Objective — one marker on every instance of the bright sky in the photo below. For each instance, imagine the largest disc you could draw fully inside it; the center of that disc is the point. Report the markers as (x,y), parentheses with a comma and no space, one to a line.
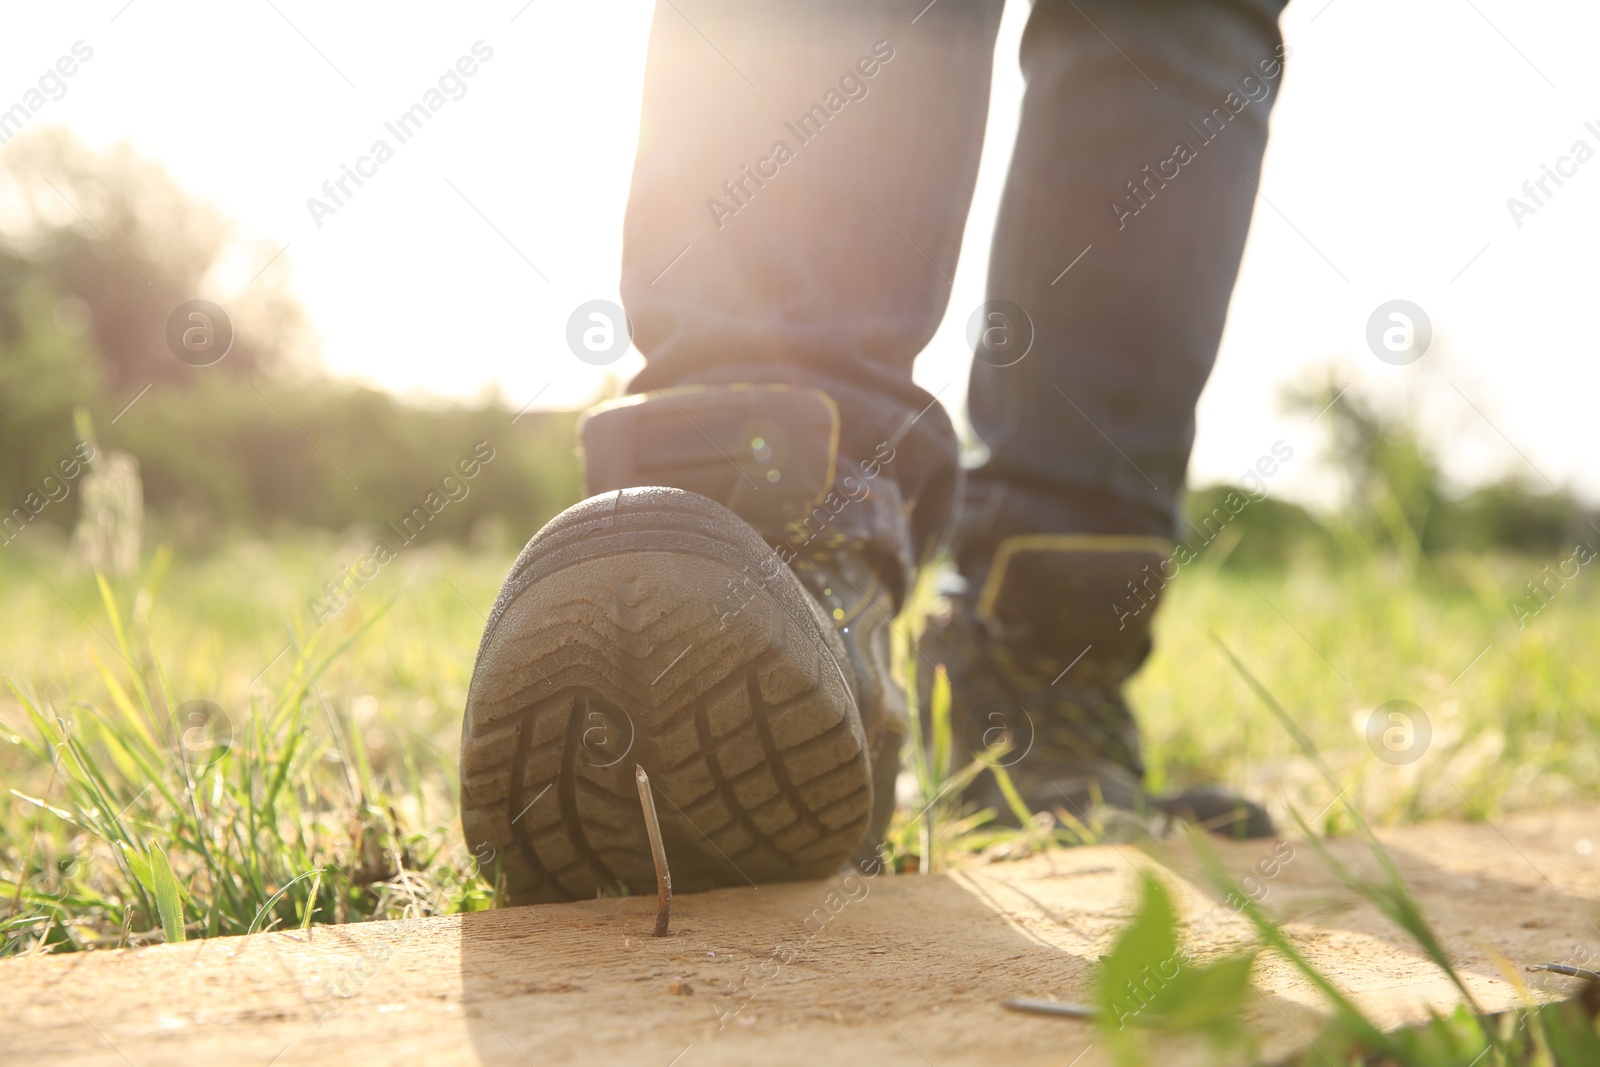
(1401,131)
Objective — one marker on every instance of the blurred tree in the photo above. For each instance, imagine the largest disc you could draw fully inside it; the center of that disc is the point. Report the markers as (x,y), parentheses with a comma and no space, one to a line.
(1512,514)
(1266,533)
(96,251)
(224,454)
(1395,491)
(116,232)
(1393,484)
(47,365)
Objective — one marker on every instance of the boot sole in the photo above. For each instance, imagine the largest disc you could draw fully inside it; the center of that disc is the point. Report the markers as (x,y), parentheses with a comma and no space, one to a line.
(653,627)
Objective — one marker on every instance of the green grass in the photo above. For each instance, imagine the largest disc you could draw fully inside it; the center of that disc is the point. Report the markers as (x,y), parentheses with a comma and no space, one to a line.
(1516,730)
(335,796)
(1206,999)
(326,792)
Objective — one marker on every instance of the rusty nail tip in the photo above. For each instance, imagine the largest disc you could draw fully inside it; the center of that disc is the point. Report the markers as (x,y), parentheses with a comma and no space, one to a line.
(658,851)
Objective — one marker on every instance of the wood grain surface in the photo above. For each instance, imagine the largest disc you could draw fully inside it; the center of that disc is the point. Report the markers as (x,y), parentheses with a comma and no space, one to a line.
(886,970)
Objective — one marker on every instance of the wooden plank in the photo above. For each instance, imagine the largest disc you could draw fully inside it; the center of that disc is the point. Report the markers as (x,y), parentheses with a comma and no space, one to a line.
(886,970)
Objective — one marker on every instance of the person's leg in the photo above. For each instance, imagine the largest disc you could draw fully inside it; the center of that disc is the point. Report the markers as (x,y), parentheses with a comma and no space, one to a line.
(798,202)
(1125,214)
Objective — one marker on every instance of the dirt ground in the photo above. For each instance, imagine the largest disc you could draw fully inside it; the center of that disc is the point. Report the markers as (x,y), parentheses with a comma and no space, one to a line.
(887,970)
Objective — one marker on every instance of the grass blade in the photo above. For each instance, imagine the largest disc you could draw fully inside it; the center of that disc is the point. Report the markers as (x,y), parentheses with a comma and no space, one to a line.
(939,706)
(169,895)
(267,907)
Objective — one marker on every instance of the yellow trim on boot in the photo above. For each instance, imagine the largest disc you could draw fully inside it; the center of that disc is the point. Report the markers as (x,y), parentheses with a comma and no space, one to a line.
(1059,543)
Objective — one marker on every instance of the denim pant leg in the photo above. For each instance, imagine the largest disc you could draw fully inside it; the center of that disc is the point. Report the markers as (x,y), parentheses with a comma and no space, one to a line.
(1123,221)
(798,200)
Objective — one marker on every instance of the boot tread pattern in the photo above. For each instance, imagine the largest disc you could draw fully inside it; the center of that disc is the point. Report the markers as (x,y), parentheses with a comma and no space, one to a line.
(746,726)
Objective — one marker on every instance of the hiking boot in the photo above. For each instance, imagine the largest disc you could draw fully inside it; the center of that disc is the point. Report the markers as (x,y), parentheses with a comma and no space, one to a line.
(725,628)
(1038,648)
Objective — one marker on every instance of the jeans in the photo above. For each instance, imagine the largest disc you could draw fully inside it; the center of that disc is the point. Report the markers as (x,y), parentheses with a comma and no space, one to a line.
(802,183)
